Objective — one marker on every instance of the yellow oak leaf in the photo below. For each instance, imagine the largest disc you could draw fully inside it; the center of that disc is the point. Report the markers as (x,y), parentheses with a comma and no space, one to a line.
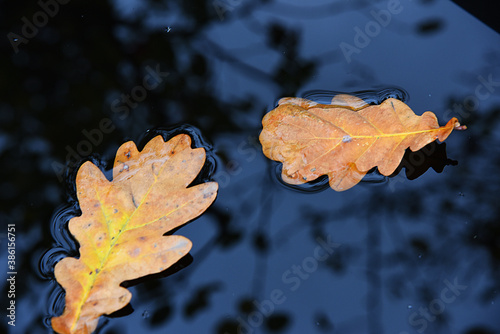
(345,139)
(122,226)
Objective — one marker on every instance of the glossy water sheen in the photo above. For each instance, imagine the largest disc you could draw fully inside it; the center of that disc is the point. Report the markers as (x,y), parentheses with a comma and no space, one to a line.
(415,252)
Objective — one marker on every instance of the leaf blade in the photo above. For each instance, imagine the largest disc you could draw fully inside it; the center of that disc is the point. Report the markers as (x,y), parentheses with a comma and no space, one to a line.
(122,224)
(345,141)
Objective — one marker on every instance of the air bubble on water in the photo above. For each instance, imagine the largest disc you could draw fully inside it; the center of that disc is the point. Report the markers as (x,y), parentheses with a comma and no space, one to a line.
(16,39)
(410,306)
(346,139)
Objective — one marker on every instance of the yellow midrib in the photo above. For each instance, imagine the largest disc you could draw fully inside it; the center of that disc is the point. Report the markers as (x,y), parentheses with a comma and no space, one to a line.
(103,264)
(123,229)
(382,135)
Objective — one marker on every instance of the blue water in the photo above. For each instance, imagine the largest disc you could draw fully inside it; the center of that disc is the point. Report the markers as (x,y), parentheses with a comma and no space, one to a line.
(416,252)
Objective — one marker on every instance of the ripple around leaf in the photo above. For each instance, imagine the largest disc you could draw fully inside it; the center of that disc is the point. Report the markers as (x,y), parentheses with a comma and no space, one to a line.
(321,183)
(369,96)
(65,245)
(55,304)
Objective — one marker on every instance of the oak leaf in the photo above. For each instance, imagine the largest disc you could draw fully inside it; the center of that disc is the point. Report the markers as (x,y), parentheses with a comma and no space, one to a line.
(346,139)
(122,226)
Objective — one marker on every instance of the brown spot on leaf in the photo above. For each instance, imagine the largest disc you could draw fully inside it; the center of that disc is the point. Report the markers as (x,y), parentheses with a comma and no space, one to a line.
(135,252)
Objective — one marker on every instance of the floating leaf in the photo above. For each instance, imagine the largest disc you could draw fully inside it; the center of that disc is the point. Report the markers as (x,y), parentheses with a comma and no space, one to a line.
(122,226)
(346,139)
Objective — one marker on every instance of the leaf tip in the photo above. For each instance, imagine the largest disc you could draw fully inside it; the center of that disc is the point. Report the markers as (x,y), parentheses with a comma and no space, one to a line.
(455,124)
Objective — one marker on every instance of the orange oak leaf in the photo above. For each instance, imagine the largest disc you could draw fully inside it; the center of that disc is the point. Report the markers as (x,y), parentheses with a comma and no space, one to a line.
(346,139)
(122,226)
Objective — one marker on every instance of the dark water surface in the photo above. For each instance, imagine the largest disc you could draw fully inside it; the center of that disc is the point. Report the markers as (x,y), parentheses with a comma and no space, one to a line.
(417,252)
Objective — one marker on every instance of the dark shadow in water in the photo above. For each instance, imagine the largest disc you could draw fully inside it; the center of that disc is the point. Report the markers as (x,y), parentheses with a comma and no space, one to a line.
(200,300)
(430,26)
(417,163)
